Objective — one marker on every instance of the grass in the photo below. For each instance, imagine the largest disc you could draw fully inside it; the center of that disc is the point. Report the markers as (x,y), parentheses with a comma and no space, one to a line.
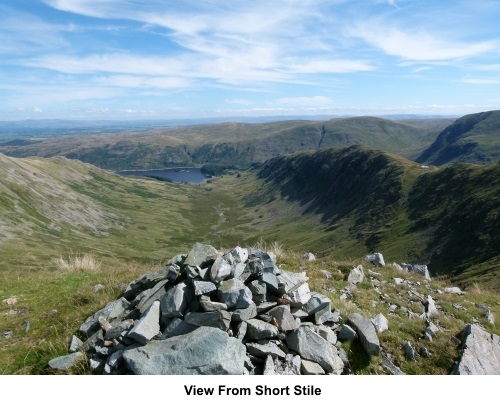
(86,262)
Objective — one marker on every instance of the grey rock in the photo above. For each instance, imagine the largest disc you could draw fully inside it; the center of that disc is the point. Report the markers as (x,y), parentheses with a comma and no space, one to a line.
(97,288)
(454,290)
(418,269)
(424,352)
(220,270)
(65,363)
(201,255)
(271,281)
(283,318)
(327,274)
(191,273)
(347,333)
(308,367)
(430,306)
(245,314)
(269,367)
(487,314)
(173,271)
(241,330)
(148,325)
(75,344)
(116,359)
(235,294)
(178,259)
(153,294)
(177,328)
(217,319)
(238,270)
(7,334)
(431,329)
(257,329)
(111,311)
(96,364)
(398,280)
(92,341)
(265,349)
(210,306)
(299,296)
(313,347)
(176,301)
(144,282)
(318,301)
(356,275)
(327,334)
(376,259)
(118,328)
(326,315)
(480,352)
(308,257)
(289,281)
(236,255)
(380,322)
(409,351)
(201,352)
(203,287)
(366,333)
(389,365)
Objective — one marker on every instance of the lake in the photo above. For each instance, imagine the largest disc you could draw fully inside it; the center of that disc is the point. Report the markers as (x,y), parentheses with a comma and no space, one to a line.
(191,175)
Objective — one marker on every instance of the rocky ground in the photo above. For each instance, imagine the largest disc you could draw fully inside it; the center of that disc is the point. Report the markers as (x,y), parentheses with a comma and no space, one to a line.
(238,312)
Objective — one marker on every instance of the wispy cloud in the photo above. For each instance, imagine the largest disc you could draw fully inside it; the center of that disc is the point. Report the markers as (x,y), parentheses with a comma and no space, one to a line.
(315,101)
(417,45)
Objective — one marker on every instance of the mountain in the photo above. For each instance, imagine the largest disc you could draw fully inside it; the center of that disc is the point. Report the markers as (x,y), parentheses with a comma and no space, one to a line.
(354,200)
(474,138)
(227,144)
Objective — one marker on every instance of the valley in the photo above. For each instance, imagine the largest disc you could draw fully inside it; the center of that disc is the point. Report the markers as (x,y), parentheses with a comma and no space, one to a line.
(341,189)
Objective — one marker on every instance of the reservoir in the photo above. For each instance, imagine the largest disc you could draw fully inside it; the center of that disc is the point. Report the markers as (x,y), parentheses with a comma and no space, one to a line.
(191,175)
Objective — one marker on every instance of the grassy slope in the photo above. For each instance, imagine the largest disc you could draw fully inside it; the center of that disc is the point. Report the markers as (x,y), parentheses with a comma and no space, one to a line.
(230,143)
(348,202)
(474,138)
(152,221)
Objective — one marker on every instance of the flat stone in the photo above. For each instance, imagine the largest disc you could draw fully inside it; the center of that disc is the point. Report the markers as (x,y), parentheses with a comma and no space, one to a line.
(148,325)
(347,333)
(235,294)
(380,322)
(318,301)
(153,294)
(289,281)
(283,318)
(327,334)
(65,363)
(257,329)
(145,282)
(210,306)
(311,346)
(177,328)
(245,314)
(117,329)
(356,275)
(176,301)
(430,306)
(326,315)
(480,352)
(220,270)
(173,271)
(200,254)
(271,281)
(111,311)
(116,359)
(265,349)
(308,367)
(75,344)
(203,287)
(366,333)
(205,351)
(389,365)
(217,319)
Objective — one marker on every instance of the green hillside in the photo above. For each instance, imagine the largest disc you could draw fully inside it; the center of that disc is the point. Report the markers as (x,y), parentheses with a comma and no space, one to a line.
(474,138)
(228,144)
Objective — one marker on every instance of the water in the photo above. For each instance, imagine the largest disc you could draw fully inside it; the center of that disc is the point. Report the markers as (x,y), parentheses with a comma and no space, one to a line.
(191,175)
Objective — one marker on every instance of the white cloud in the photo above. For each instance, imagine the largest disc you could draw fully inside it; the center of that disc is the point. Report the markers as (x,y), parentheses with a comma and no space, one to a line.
(237,101)
(418,44)
(491,80)
(37,110)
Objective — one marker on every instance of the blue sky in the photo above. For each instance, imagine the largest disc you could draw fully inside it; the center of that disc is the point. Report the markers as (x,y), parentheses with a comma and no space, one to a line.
(161,59)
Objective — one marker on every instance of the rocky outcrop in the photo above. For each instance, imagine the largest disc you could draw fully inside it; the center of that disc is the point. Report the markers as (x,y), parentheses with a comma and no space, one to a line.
(480,352)
(213,313)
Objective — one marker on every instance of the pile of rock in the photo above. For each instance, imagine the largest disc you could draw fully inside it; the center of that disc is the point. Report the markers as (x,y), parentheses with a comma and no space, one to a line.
(212,313)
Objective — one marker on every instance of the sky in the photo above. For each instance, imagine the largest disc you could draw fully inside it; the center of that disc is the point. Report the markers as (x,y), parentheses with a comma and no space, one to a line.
(171,59)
